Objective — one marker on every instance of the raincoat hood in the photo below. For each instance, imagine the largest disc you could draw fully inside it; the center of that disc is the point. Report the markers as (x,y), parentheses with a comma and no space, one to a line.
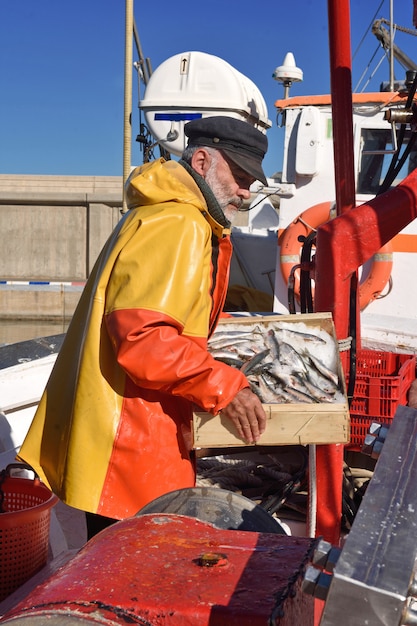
(168,181)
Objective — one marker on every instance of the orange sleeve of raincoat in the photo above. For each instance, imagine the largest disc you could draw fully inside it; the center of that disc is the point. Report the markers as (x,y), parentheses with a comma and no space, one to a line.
(158,307)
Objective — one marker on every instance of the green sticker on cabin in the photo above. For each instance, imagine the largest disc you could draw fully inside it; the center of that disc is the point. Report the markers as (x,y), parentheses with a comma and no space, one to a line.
(329,128)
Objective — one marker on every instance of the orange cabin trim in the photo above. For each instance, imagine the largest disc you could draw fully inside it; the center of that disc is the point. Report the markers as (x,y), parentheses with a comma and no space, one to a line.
(379,97)
(404,243)
(400,243)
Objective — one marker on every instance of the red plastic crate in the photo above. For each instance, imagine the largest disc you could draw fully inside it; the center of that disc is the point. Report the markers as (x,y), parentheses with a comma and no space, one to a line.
(382,383)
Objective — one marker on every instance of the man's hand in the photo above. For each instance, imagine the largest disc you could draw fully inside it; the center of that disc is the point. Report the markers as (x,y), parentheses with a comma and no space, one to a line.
(245,411)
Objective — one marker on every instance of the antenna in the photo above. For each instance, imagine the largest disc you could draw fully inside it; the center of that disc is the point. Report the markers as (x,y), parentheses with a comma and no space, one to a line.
(288,73)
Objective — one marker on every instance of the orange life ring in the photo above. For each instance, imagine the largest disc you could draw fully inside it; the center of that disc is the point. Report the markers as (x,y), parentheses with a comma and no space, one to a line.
(309,220)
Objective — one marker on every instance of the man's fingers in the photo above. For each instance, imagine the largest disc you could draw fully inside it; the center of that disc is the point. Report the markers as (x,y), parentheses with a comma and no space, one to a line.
(250,431)
(247,414)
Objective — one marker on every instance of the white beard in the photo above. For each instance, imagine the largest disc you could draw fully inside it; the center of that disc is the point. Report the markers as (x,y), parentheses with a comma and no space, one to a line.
(229,205)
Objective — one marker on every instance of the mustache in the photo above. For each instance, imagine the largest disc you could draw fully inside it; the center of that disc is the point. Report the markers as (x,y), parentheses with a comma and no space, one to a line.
(237,202)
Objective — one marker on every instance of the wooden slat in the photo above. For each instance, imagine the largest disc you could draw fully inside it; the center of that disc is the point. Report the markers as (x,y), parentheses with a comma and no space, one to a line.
(286,425)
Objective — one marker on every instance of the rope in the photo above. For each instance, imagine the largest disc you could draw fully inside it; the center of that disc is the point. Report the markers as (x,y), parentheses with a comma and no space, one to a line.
(403,29)
(307,225)
(367,29)
(345,344)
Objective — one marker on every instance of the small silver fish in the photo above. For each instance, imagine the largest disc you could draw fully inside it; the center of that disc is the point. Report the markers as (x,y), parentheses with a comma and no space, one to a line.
(255,387)
(224,342)
(315,392)
(245,350)
(279,387)
(228,357)
(289,356)
(323,369)
(253,362)
(270,393)
(294,383)
(300,396)
(318,380)
(230,334)
(302,335)
(272,342)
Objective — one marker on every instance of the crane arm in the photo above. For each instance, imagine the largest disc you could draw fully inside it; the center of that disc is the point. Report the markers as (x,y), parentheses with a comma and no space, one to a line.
(382,34)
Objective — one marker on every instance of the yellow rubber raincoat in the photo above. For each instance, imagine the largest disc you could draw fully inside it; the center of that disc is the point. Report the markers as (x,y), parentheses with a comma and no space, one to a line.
(113,428)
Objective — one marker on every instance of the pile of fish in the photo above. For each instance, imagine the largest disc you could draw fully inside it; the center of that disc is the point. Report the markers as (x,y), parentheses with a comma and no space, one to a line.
(283,362)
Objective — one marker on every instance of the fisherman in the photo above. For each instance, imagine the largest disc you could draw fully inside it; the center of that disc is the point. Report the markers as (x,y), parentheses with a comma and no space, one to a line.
(113,429)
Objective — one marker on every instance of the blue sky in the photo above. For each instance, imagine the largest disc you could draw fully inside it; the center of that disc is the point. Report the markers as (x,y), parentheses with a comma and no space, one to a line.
(62,67)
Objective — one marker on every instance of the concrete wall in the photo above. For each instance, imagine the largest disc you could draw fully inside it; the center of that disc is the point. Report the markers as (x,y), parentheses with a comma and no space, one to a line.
(52,230)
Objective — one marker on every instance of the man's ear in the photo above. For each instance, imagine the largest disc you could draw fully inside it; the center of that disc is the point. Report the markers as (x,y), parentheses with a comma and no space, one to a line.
(201,161)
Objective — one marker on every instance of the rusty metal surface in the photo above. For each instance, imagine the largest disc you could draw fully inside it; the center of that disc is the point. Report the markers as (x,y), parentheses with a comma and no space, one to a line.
(171,569)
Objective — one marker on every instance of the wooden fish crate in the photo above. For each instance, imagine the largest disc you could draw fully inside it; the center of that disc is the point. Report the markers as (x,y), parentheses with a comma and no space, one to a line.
(290,423)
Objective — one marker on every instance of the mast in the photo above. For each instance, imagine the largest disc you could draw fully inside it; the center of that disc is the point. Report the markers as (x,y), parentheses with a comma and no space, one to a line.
(127,127)
(336,298)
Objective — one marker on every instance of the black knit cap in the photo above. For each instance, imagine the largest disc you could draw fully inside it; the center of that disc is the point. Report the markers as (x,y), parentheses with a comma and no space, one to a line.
(241,142)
